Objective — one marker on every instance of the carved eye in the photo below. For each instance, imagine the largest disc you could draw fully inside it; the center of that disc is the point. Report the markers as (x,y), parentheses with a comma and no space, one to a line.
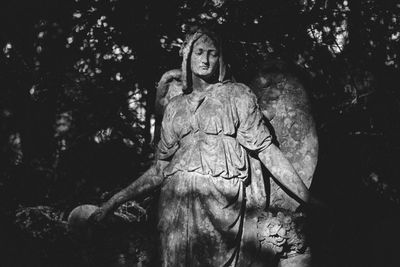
(199,52)
(214,53)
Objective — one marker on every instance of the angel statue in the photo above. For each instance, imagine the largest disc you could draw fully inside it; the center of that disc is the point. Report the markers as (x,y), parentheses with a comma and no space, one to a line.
(213,143)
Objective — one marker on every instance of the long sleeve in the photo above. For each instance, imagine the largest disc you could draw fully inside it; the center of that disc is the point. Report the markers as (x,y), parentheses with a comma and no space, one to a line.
(252,132)
(168,144)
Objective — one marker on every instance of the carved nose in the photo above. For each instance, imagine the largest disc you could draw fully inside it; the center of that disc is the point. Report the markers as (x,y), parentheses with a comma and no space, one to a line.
(205,60)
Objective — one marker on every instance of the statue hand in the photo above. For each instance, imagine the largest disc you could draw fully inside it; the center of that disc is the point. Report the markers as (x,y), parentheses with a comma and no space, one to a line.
(99,215)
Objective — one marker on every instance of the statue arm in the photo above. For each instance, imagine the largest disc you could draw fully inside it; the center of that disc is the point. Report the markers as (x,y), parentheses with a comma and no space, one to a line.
(146,183)
(283,171)
(255,136)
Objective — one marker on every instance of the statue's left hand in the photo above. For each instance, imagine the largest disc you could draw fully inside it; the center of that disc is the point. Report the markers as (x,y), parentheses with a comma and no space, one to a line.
(99,215)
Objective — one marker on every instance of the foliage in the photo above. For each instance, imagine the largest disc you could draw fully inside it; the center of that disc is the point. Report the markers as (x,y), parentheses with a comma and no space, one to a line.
(78,87)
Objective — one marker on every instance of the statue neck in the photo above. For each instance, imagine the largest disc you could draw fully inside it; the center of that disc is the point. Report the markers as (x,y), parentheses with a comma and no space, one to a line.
(200,84)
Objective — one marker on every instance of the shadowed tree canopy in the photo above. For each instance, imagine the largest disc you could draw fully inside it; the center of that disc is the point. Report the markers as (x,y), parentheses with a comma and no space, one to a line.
(78,85)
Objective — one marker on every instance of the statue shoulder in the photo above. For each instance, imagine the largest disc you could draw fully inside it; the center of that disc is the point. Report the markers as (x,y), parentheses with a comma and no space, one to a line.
(175,103)
(238,89)
(241,92)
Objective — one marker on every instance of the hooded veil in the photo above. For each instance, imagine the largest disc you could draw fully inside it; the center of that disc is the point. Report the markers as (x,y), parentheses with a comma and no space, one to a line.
(186,52)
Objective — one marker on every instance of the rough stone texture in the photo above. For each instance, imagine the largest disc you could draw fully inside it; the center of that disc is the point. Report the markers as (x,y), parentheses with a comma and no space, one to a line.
(282,233)
(77,219)
(285,103)
(170,85)
(298,260)
(207,136)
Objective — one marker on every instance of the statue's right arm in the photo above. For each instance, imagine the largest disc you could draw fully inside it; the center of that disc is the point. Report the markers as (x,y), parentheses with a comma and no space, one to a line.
(146,183)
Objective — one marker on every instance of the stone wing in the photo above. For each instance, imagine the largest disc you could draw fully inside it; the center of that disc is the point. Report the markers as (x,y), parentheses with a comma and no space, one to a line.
(285,103)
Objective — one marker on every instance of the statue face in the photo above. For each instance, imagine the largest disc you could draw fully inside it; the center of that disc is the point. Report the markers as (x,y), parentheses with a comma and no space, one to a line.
(204,58)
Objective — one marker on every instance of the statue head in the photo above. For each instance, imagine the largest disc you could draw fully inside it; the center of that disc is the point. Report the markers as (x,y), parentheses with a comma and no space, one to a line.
(204,59)
(202,56)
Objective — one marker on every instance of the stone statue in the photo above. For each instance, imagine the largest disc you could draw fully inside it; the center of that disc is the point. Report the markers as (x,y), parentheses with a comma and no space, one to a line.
(213,141)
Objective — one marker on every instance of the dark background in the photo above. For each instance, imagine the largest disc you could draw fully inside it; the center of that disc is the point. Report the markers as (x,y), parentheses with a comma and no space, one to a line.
(77,94)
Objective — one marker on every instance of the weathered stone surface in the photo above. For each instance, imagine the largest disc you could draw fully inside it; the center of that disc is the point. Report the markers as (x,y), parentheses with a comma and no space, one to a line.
(283,231)
(298,260)
(169,86)
(78,218)
(204,136)
(212,143)
(285,103)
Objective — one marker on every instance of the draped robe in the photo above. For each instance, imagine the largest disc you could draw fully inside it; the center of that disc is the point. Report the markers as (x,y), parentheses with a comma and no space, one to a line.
(213,187)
